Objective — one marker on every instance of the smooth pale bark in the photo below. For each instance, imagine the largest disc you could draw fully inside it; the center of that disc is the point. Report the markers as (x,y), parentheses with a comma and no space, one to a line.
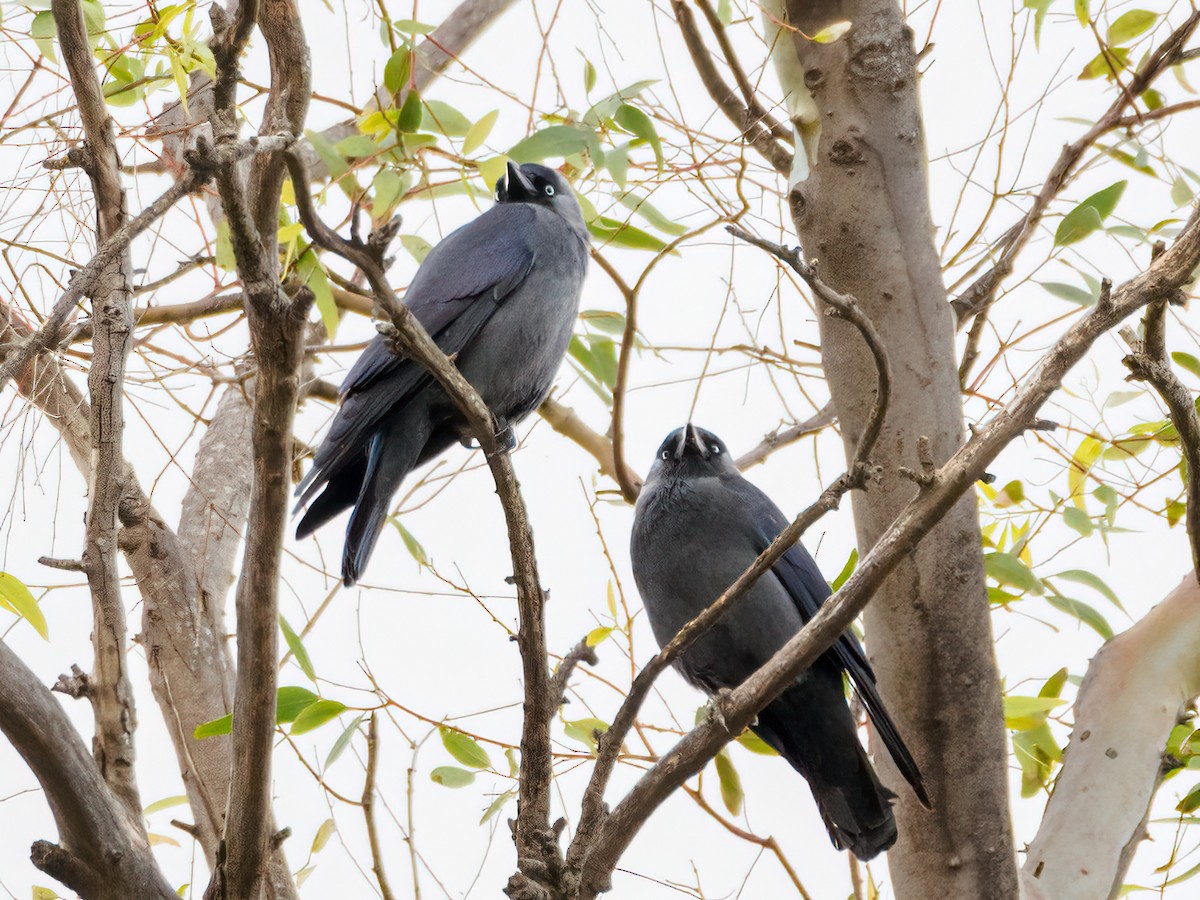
(859,200)
(1136,689)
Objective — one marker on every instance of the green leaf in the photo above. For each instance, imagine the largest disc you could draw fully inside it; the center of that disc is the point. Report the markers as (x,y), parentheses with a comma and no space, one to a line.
(223,725)
(317,281)
(324,833)
(444,119)
(732,794)
(478,132)
(847,570)
(343,741)
(603,110)
(1005,568)
(43,31)
(603,320)
(492,170)
(1078,520)
(755,744)
(1174,511)
(644,208)
(1186,361)
(356,145)
(1054,684)
(411,112)
(224,256)
(1181,193)
(1069,292)
(1095,582)
(1088,215)
(622,234)
(328,154)
(637,123)
(1131,24)
(555,140)
(17,598)
(1037,751)
(1023,713)
(165,803)
(597,354)
(1011,494)
(831,33)
(416,245)
(585,731)
(1040,7)
(1191,802)
(1084,458)
(396,70)
(465,749)
(1086,614)
(496,805)
(1108,63)
(589,76)
(414,546)
(725,12)
(598,636)
(315,715)
(412,26)
(388,185)
(1081,12)
(451,776)
(297,647)
(44,893)
(290,701)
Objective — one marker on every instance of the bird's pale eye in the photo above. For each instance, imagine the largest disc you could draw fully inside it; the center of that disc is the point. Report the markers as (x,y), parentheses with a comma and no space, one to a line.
(666,454)
(549,189)
(716,448)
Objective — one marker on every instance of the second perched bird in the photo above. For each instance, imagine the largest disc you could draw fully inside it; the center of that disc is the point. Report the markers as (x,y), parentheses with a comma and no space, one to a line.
(699,524)
(501,293)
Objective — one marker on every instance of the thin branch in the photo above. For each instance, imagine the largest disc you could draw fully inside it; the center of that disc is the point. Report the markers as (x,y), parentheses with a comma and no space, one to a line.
(782,437)
(759,137)
(109,687)
(736,710)
(581,652)
(368,808)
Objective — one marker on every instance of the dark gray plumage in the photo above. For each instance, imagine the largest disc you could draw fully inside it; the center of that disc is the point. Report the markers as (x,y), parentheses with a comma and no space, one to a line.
(699,524)
(502,293)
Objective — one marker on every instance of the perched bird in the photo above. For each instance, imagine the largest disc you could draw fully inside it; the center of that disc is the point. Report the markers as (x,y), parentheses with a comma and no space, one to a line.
(501,295)
(699,524)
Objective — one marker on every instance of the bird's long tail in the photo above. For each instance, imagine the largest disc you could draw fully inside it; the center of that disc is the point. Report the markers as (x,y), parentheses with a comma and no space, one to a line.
(392,453)
(817,736)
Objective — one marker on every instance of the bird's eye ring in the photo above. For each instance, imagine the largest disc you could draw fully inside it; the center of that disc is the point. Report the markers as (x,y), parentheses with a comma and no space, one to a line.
(666,454)
(549,189)
(716,448)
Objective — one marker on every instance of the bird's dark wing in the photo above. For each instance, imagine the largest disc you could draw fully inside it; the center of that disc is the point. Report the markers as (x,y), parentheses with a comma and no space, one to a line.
(455,292)
(797,571)
(466,275)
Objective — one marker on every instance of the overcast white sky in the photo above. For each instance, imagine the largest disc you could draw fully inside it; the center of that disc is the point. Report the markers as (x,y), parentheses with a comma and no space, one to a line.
(437,650)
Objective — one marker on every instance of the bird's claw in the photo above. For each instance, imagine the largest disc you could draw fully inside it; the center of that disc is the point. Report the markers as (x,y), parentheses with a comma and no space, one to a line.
(505,437)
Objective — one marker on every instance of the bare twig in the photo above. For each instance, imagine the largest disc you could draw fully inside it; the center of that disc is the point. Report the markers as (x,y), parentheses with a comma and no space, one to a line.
(781,437)
(581,652)
(368,808)
(109,688)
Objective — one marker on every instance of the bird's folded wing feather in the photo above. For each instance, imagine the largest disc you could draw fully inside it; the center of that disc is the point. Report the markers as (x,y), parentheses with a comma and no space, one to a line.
(797,571)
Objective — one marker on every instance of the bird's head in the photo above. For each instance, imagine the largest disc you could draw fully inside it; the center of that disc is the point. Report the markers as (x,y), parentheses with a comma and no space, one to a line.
(541,185)
(691,452)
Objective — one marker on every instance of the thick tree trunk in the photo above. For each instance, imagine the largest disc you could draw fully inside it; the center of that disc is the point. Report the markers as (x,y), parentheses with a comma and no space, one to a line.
(860,205)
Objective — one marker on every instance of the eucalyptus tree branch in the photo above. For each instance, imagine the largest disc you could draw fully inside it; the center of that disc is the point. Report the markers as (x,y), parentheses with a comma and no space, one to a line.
(934,498)
(983,290)
(581,652)
(781,437)
(277,338)
(368,808)
(593,817)
(102,851)
(109,687)
(535,847)
(758,136)
(1148,361)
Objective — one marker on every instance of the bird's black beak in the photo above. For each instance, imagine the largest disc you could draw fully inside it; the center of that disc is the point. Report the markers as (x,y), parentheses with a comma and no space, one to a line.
(690,439)
(515,186)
